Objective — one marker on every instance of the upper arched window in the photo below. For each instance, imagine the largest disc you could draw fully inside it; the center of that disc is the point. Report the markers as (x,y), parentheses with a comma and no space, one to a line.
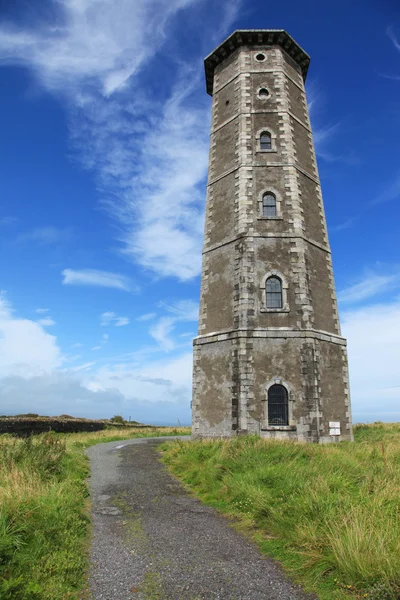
(278,405)
(263,93)
(273,291)
(269,205)
(265,141)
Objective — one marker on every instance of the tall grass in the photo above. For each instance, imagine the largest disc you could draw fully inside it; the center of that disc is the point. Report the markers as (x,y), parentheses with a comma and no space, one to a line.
(44,522)
(329,513)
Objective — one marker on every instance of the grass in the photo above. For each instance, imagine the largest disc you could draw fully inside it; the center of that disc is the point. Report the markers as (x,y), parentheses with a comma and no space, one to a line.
(44,522)
(329,513)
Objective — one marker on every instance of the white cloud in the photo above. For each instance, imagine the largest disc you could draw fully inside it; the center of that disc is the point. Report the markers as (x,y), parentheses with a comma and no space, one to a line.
(110,318)
(33,378)
(149,151)
(96,278)
(83,367)
(324,134)
(96,347)
(46,322)
(25,347)
(373,334)
(346,224)
(161,330)
(389,193)
(41,311)
(146,317)
(101,40)
(170,379)
(184,310)
(372,284)
(393,38)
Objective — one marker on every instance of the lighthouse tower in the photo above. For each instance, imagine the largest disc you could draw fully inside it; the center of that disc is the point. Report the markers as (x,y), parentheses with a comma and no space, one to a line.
(269,357)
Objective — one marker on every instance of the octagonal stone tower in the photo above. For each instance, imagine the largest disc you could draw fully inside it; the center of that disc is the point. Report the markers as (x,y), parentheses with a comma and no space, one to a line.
(269,357)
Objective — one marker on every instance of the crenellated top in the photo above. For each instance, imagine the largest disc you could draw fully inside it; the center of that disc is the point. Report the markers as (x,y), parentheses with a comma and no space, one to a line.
(256,38)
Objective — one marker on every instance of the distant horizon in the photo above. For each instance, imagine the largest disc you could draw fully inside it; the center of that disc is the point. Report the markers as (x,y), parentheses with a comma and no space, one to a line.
(179,423)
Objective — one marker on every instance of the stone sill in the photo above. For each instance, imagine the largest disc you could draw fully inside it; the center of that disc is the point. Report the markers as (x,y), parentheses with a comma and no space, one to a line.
(259,151)
(285,309)
(269,218)
(279,428)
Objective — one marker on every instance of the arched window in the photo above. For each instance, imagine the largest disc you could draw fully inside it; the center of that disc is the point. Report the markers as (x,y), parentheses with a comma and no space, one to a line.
(269,205)
(273,290)
(278,405)
(265,141)
(263,93)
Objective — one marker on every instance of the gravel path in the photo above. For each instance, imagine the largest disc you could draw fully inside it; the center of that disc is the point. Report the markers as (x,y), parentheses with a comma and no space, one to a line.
(152,541)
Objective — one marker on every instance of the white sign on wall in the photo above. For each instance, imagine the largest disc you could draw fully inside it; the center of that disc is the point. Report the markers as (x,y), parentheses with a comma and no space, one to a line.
(334,427)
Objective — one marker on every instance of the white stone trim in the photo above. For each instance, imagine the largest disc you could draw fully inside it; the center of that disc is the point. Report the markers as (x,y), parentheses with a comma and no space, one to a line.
(285,287)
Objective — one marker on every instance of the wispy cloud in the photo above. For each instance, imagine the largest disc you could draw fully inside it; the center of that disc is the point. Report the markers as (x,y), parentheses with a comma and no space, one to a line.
(146,317)
(372,284)
(46,322)
(149,151)
(45,236)
(392,36)
(391,192)
(346,224)
(185,310)
(110,318)
(325,134)
(8,220)
(97,278)
(83,367)
(42,311)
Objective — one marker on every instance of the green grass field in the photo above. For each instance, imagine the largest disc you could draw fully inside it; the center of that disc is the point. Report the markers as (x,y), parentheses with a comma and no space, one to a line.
(44,512)
(329,513)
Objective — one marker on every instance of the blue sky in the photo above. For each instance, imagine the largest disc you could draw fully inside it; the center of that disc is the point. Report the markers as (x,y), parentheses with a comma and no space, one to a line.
(104,144)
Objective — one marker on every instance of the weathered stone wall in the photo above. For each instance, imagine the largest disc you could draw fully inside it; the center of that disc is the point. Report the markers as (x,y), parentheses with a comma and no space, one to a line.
(242,345)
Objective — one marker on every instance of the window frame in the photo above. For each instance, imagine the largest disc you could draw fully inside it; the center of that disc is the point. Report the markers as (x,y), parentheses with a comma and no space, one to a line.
(266,129)
(263,292)
(265,425)
(273,296)
(265,196)
(268,136)
(284,406)
(277,195)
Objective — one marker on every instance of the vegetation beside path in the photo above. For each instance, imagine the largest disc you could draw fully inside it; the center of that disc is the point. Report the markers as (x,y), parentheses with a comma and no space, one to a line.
(330,514)
(44,517)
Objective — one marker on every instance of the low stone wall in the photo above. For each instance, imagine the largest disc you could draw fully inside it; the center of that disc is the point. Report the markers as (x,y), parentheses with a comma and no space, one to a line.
(23,426)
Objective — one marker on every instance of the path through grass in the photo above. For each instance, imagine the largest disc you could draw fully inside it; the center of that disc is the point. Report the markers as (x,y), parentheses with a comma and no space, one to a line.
(330,513)
(44,522)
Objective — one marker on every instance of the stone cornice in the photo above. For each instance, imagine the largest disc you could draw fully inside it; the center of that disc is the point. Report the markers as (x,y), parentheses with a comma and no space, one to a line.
(255,37)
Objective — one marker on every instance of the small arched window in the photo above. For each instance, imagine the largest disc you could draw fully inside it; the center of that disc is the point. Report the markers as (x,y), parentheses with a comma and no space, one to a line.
(265,141)
(269,205)
(273,291)
(278,405)
(263,93)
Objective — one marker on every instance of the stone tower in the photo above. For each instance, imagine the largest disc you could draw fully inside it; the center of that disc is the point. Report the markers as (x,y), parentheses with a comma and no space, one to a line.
(269,357)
